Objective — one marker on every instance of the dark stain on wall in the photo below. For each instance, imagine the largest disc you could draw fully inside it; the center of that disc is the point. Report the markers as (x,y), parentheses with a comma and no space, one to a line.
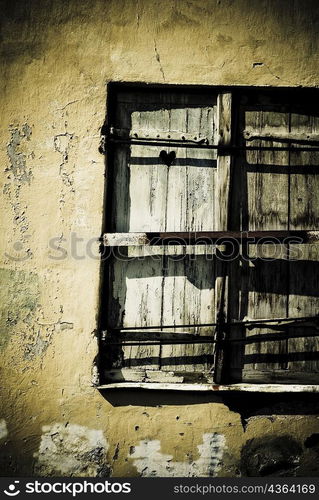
(313,442)
(270,456)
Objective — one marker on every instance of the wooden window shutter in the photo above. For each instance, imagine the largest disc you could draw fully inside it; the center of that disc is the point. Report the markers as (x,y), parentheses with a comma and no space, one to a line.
(163,287)
(276,190)
(212,214)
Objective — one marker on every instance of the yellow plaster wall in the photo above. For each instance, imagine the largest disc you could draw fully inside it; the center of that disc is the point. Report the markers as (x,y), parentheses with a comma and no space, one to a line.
(56,58)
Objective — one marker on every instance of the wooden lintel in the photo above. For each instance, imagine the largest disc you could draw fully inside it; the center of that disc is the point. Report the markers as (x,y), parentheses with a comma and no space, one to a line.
(252,339)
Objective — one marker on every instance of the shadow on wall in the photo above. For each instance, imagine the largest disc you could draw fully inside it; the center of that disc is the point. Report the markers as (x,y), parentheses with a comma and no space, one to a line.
(246,404)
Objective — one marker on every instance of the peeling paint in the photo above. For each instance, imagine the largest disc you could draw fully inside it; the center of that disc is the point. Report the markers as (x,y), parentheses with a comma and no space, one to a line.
(65,325)
(17,158)
(19,175)
(71,450)
(3,429)
(19,296)
(37,348)
(150,462)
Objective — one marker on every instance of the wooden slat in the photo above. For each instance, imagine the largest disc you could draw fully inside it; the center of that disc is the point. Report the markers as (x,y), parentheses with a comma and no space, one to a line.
(148,375)
(262,269)
(188,286)
(224,113)
(200,237)
(304,259)
(221,223)
(200,387)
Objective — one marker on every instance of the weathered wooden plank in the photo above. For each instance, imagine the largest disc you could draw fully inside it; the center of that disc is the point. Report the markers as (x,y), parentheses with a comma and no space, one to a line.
(304,183)
(140,375)
(287,377)
(136,301)
(189,282)
(188,298)
(222,223)
(267,192)
(148,175)
(164,98)
(120,213)
(266,296)
(217,237)
(224,129)
(145,375)
(200,387)
(304,260)
(263,268)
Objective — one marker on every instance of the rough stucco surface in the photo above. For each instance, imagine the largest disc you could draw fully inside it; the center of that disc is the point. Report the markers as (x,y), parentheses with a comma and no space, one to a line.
(56,58)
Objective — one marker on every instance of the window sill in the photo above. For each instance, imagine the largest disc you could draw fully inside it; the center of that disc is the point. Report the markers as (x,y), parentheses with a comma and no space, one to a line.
(269,388)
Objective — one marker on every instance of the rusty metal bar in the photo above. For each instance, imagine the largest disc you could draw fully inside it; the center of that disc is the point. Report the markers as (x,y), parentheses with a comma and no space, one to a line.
(201,145)
(252,322)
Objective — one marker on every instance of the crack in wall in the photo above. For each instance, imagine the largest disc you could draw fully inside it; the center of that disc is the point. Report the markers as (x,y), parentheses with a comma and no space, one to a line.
(62,145)
(158,59)
(261,64)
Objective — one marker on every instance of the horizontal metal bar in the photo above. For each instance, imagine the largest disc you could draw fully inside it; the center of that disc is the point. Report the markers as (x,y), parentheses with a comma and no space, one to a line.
(250,322)
(201,145)
(266,337)
(150,336)
(127,328)
(168,136)
(201,237)
(272,134)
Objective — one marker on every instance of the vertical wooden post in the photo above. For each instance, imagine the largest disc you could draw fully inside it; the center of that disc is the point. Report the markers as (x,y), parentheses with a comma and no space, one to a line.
(222,221)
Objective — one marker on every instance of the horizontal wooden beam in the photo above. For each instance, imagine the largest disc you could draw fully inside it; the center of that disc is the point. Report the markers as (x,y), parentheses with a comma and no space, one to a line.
(204,237)
(213,387)
(252,339)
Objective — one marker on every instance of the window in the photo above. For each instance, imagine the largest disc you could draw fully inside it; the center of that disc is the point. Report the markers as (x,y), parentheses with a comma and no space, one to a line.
(212,211)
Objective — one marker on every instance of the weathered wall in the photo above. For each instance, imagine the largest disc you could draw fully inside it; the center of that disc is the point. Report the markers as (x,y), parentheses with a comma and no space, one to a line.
(56,59)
